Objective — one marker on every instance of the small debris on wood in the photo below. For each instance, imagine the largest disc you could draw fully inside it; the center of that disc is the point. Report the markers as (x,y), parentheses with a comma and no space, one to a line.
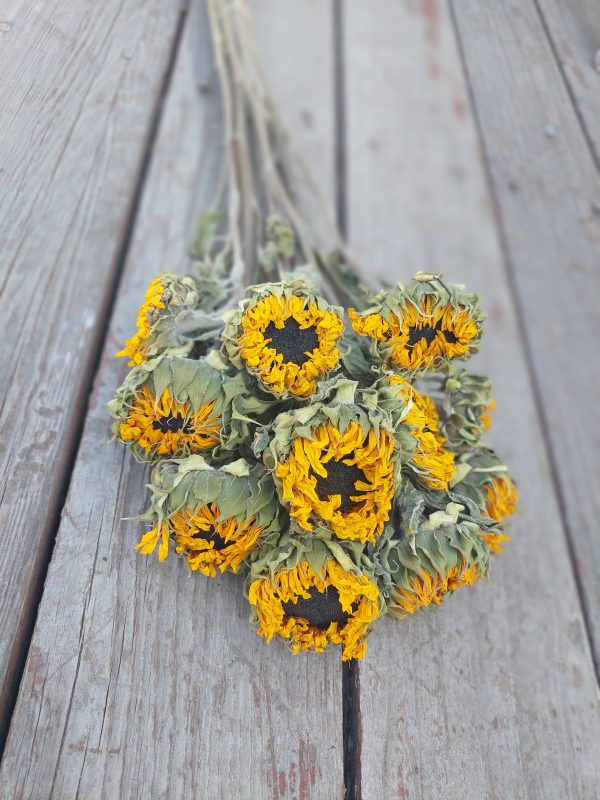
(550,131)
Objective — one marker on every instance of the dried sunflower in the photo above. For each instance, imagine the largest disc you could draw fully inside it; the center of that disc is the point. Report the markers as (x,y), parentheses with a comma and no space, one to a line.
(214,517)
(429,457)
(444,550)
(421,325)
(425,589)
(286,336)
(335,464)
(467,405)
(485,480)
(173,406)
(166,297)
(313,596)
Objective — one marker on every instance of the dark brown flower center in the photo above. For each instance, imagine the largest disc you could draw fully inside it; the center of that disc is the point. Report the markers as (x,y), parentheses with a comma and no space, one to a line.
(427,332)
(341,479)
(293,342)
(211,535)
(172,424)
(320,610)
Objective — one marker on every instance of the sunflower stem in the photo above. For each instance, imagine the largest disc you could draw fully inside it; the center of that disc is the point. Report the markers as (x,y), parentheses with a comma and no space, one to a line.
(259,158)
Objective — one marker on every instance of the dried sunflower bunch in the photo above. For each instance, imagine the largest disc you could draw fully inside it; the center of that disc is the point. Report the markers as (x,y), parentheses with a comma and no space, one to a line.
(320,437)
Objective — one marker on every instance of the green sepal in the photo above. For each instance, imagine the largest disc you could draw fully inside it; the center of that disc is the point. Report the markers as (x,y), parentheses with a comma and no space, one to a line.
(240,489)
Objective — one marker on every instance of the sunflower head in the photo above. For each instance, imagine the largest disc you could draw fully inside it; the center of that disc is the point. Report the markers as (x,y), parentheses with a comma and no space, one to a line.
(429,555)
(214,518)
(467,406)
(173,406)
(422,325)
(485,481)
(424,589)
(313,599)
(334,465)
(286,336)
(166,297)
(417,428)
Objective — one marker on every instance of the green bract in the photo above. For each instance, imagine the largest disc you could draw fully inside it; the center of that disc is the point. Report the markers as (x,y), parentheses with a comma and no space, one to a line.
(482,478)
(241,490)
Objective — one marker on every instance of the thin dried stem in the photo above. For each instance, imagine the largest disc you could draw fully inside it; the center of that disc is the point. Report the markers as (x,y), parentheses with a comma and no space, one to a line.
(258,152)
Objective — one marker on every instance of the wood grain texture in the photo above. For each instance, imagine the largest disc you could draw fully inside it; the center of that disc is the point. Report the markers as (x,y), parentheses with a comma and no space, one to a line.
(574,30)
(304,95)
(142,681)
(493,695)
(78,91)
(548,193)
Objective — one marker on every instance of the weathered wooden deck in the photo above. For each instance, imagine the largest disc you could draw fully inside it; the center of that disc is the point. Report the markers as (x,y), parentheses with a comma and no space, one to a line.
(458,136)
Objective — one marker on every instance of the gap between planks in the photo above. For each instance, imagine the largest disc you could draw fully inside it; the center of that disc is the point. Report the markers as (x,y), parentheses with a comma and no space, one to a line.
(351,670)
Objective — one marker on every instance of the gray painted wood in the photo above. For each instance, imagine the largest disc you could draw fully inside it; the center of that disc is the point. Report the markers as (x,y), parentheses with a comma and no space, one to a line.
(493,695)
(143,681)
(548,192)
(78,90)
(574,30)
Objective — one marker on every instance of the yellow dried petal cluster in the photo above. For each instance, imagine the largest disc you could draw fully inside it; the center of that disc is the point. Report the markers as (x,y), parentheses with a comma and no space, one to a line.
(426,589)
(134,347)
(166,427)
(501,497)
(147,544)
(495,541)
(200,550)
(433,459)
(373,325)
(358,597)
(486,416)
(370,452)
(298,379)
(207,543)
(422,334)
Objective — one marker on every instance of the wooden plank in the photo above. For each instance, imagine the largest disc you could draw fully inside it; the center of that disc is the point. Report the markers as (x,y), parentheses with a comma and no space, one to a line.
(493,695)
(141,681)
(80,83)
(574,28)
(548,192)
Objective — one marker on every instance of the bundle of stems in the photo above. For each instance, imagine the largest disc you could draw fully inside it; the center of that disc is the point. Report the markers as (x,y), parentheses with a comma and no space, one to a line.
(259,165)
